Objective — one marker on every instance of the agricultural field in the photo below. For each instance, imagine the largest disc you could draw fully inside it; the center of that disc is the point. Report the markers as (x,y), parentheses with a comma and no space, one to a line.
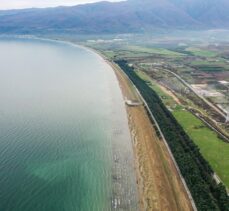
(195,169)
(200,52)
(203,65)
(185,74)
(215,151)
(211,146)
(157,51)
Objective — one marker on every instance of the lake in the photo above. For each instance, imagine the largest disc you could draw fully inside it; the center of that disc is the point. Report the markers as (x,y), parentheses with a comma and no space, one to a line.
(64,133)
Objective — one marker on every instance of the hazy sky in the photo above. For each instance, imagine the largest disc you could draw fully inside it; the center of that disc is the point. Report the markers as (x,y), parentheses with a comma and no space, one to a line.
(16,4)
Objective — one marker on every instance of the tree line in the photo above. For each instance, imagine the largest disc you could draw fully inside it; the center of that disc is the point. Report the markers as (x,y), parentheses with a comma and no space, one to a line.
(198,174)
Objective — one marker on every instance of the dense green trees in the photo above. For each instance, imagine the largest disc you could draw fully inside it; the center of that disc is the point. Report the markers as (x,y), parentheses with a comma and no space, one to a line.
(195,169)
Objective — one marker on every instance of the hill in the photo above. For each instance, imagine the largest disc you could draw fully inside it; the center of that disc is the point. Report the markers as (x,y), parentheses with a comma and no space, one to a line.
(120,17)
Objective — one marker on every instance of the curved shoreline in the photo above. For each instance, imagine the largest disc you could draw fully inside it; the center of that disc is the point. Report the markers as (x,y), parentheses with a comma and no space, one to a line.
(123,193)
(190,205)
(133,131)
(91,50)
(144,143)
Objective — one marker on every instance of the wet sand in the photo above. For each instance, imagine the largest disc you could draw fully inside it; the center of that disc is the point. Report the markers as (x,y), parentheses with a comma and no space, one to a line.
(159,184)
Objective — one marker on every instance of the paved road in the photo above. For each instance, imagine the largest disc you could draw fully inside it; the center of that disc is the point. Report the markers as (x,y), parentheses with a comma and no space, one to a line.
(196,93)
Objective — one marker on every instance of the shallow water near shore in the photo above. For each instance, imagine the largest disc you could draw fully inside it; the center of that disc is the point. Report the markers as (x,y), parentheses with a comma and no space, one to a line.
(64,138)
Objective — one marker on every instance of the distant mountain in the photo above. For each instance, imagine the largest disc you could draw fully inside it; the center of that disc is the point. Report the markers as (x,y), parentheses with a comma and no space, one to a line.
(120,17)
(211,13)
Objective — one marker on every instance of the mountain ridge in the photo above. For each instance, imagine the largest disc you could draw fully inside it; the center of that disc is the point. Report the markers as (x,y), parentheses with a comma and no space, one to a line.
(118,17)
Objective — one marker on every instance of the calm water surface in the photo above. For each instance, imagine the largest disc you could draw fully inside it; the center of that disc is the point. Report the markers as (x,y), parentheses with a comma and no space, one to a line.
(58,125)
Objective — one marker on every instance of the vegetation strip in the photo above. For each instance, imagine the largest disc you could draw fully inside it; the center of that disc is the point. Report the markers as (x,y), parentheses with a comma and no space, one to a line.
(195,169)
(211,142)
(160,135)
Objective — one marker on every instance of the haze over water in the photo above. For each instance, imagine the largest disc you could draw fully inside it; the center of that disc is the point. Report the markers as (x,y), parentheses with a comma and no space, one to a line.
(58,125)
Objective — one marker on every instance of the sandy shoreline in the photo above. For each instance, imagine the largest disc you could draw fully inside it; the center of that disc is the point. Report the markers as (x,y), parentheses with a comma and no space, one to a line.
(158,181)
(159,184)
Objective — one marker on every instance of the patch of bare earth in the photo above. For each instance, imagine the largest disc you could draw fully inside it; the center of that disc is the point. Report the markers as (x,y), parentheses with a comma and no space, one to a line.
(170,93)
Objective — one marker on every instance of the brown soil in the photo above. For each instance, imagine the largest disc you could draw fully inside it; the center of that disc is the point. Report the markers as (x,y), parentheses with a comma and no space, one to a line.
(159,184)
(171,94)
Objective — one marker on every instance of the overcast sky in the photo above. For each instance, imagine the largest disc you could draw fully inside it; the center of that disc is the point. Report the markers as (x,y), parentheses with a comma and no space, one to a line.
(18,4)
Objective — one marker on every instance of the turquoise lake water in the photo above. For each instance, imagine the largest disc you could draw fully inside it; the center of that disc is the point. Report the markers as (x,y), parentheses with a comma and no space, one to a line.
(62,121)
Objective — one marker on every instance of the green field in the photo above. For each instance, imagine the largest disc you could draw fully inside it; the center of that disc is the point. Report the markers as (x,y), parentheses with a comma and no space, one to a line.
(200,52)
(159,51)
(109,54)
(210,66)
(167,100)
(214,150)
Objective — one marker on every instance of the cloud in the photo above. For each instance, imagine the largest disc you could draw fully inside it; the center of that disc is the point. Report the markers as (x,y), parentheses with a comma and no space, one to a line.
(18,4)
